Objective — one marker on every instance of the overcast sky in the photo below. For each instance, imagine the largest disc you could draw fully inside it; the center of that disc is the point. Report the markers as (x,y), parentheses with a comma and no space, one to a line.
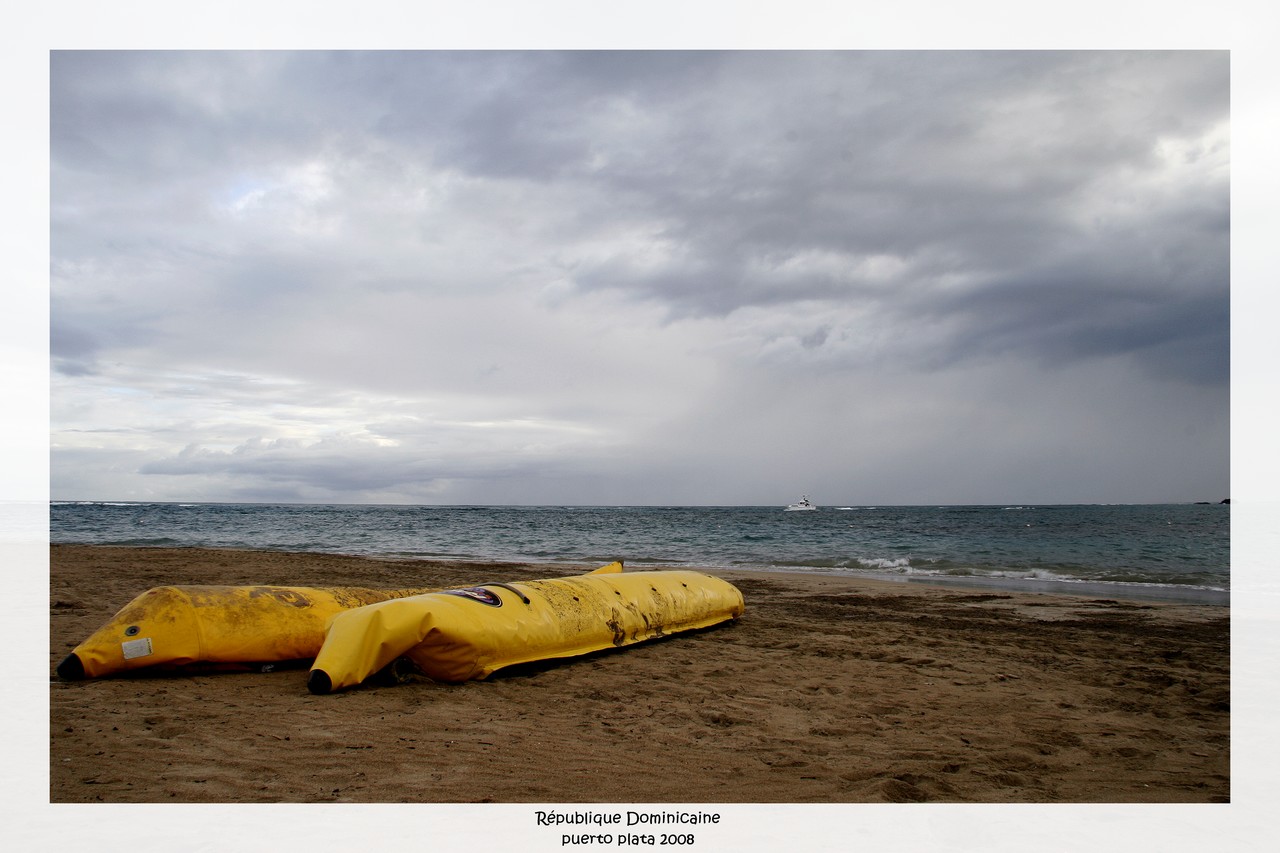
(640,278)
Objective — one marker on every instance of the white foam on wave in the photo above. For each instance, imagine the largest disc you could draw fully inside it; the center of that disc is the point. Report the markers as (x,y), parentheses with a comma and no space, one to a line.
(885,563)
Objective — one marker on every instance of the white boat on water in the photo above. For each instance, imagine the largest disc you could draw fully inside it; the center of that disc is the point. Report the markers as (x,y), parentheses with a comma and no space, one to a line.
(801,505)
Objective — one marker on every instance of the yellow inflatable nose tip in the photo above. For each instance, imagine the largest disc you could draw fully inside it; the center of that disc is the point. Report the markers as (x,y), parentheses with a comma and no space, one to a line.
(319,683)
(71,668)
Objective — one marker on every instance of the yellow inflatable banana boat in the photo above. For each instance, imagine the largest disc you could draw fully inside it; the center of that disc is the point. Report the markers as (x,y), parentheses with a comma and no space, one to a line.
(174,626)
(461,634)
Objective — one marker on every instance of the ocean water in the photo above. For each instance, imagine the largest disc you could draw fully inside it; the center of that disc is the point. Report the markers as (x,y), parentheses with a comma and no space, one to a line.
(1169,551)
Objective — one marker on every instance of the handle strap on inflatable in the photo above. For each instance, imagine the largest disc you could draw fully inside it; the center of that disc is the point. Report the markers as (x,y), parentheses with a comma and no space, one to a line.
(508,586)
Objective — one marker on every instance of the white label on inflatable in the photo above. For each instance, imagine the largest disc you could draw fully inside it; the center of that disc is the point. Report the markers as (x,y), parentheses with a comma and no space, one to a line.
(136,648)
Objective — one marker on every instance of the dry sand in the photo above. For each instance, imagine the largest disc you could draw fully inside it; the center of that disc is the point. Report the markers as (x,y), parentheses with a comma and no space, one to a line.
(828,690)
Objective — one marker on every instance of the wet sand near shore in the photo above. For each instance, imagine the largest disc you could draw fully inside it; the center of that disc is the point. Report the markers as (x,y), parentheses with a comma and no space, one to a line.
(827,690)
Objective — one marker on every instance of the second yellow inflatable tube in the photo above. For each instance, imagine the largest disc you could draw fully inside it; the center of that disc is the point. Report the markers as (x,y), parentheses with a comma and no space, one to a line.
(464,634)
(170,627)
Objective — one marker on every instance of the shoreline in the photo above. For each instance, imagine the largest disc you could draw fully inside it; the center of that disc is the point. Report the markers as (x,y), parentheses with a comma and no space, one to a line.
(1092,589)
(829,689)
(1154,592)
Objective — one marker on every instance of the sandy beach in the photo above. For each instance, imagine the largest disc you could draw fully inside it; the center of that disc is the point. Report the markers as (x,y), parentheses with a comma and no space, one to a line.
(827,690)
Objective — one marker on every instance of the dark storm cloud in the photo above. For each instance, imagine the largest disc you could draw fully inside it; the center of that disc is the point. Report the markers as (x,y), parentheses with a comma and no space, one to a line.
(953,164)
(1063,315)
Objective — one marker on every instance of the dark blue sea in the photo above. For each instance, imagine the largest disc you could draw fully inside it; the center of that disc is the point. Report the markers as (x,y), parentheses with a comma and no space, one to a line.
(1165,551)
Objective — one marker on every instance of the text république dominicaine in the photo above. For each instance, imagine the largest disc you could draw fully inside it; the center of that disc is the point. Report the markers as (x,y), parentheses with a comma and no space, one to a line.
(629,818)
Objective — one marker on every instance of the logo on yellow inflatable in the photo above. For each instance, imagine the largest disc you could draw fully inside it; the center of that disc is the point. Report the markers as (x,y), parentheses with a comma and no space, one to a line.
(476,593)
